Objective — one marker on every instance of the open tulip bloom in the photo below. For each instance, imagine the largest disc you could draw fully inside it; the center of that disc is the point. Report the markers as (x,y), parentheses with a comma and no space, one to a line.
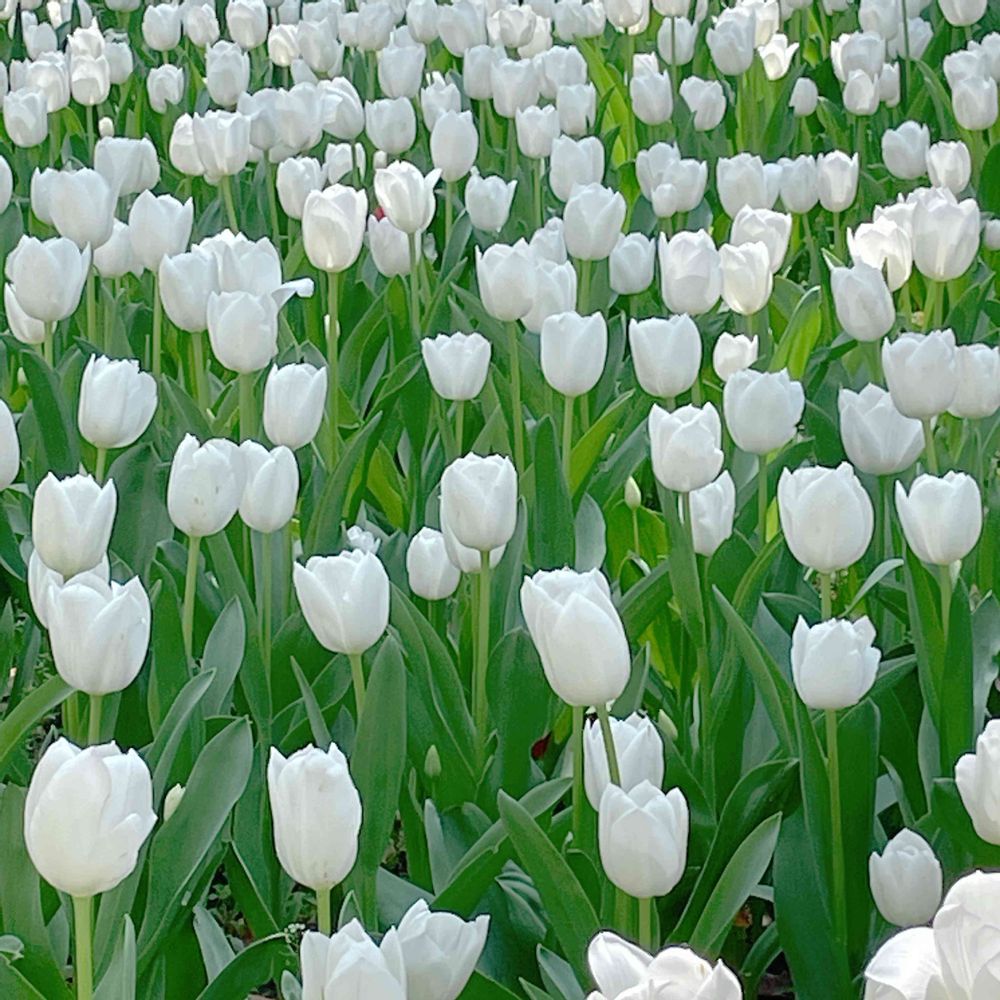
(506,491)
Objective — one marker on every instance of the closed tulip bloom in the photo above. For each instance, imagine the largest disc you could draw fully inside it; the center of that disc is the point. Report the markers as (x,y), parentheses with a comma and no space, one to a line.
(505,279)
(575,161)
(826,516)
(82,207)
(205,485)
(884,245)
(643,835)
(71,521)
(904,150)
(630,266)
(961,13)
(186,283)
(457,364)
(705,99)
(345,599)
(164,87)
(333,227)
(406,196)
(861,94)
(686,446)
(974,102)
(117,402)
(762,409)
(878,439)
(554,291)
(271,489)
(906,880)
(941,516)
(573,351)
(690,272)
(227,73)
(578,634)
(47,276)
(592,221)
(745,179)
(652,97)
(454,144)
(222,142)
(159,226)
(86,816)
(713,508)
(862,301)
(799,184)
(99,632)
(666,354)
(834,663)
(536,129)
(43,583)
(316,812)
(200,25)
(978,393)
(921,371)
(945,235)
(243,330)
(479,501)
(130,166)
(294,397)
(488,201)
(747,280)
(391,124)
(977,776)
(25,116)
(837,180)
(430,572)
(731,41)
(576,105)
(389,247)
(733,353)
(440,951)
(776,57)
(760,225)
(161,26)
(350,964)
(675,43)
(514,85)
(639,752)
(949,165)
(247,22)
(10,448)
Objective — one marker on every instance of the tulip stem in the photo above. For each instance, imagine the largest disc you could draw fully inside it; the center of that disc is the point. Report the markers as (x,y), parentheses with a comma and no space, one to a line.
(459,425)
(266,598)
(932,300)
(762,500)
(358,679)
(71,717)
(48,346)
(99,463)
(190,579)
(157,328)
(646,924)
(567,439)
(323,919)
(513,341)
(91,307)
(226,186)
(583,289)
(414,277)
(839,880)
(480,705)
(449,191)
(536,175)
(826,596)
(246,405)
(199,375)
(576,749)
(929,447)
(333,361)
(944,577)
(610,750)
(94,720)
(83,973)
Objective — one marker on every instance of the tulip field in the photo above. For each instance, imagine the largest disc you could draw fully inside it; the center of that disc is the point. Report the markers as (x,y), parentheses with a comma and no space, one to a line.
(500,500)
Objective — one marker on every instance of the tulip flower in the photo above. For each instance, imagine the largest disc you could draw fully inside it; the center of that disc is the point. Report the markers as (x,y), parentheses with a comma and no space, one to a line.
(71,521)
(685,446)
(666,354)
(712,510)
(733,353)
(575,161)
(690,272)
(978,392)
(457,364)
(243,332)
(10,448)
(630,266)
(884,245)
(430,572)
(440,951)
(271,488)
(863,302)
(350,962)
(904,150)
(834,663)
(945,237)
(906,880)
(837,180)
(746,277)
(48,277)
(454,145)
(294,396)
(488,201)
(941,517)
(638,751)
(762,409)
(745,180)
(976,777)
(878,439)
(593,218)
(554,290)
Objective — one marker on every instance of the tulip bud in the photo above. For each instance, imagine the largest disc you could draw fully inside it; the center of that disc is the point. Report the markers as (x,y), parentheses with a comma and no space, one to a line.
(592,221)
(554,292)
(117,402)
(760,225)
(575,161)
(164,87)
(454,144)
(977,776)
(99,632)
(747,280)
(666,354)
(172,800)
(906,880)
(440,951)
(826,516)
(863,302)
(406,196)
(505,279)
(837,180)
(712,510)
(878,439)
(643,835)
(630,266)
(731,41)
(904,150)
(25,116)
(633,495)
(86,816)
(949,165)
(205,486)
(488,201)
(159,226)
(945,235)
(941,517)
(536,130)
(297,178)
(776,56)
(10,448)
(744,180)
(71,521)
(82,206)
(578,634)
(690,272)
(675,42)
(186,282)
(457,364)
(978,393)
(883,245)
(350,962)
(271,489)
(799,184)
(974,102)
(921,371)
(652,97)
(733,353)
(834,663)
(686,446)
(389,246)
(762,409)
(431,574)
(47,276)
(639,751)
(573,351)
(345,600)
(479,501)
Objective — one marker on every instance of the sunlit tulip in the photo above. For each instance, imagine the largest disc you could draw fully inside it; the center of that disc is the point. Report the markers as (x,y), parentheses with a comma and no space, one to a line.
(837,180)
(333,227)
(862,301)
(652,97)
(457,364)
(834,663)
(159,225)
(712,510)
(488,201)
(479,501)
(730,41)
(186,283)
(690,272)
(454,145)
(48,276)
(941,517)
(762,409)
(878,439)
(575,161)
(430,572)
(25,116)
(205,485)
(747,280)
(826,516)
(745,180)
(666,354)
(573,349)
(638,750)
(978,393)
(921,371)
(350,962)
(243,330)
(227,73)
(949,165)
(974,102)
(504,275)
(733,353)
(82,205)
(630,266)
(945,235)
(391,124)
(536,129)
(904,150)
(905,880)
(884,245)
(271,488)
(977,776)
(130,166)
(164,87)
(117,402)
(406,196)
(799,184)
(592,220)
(686,446)
(25,328)
(71,522)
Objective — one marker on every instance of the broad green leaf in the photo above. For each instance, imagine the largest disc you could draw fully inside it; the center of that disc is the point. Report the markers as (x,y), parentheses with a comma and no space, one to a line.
(26,715)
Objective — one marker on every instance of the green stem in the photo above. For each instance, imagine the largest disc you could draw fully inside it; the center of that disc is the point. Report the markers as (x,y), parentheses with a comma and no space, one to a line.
(226,184)
(480,705)
(567,438)
(101,460)
(71,717)
(459,426)
(836,830)
(266,598)
(324,923)
(199,371)
(333,362)
(762,500)
(414,277)
(83,973)
(449,191)
(583,291)
(610,751)
(190,580)
(576,748)
(930,304)
(358,680)
(157,327)
(91,307)
(646,924)
(826,596)
(94,721)
(944,578)
(246,406)
(929,447)
(513,341)
(48,349)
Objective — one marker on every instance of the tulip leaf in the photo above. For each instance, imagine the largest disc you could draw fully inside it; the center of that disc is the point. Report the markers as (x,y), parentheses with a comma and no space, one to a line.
(552,511)
(573,918)
(988,193)
(118,983)
(801,334)
(588,448)
(26,715)
(60,442)
(216,951)
(254,966)
(317,724)
(223,654)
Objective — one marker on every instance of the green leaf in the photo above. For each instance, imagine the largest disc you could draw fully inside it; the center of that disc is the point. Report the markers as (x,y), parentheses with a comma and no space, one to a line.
(317,724)
(60,442)
(573,918)
(224,649)
(588,449)
(551,541)
(216,951)
(118,983)
(254,966)
(26,714)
